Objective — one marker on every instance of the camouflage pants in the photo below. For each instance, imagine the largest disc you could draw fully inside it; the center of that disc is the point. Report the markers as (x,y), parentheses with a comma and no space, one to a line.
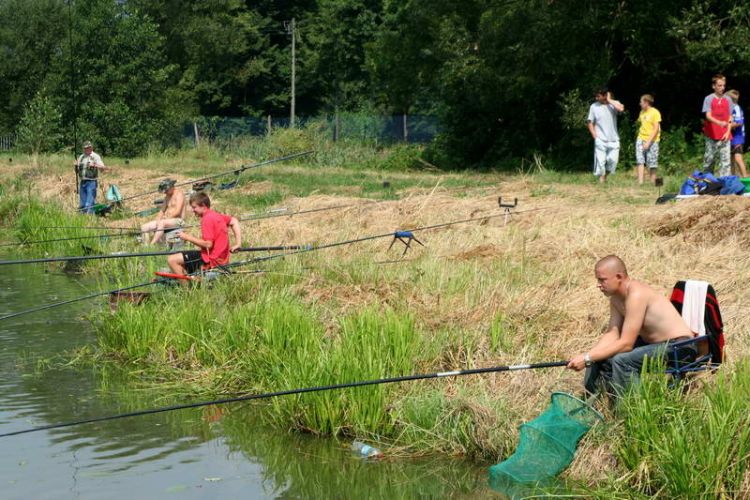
(714,149)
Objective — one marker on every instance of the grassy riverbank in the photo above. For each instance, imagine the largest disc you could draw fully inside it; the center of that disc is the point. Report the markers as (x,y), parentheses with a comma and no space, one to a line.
(479,294)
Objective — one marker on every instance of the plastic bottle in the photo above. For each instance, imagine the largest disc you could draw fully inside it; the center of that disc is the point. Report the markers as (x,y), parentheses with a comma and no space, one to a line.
(365,450)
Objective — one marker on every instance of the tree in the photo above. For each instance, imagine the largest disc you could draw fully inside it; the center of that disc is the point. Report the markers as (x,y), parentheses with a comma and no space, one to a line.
(333,52)
(30,34)
(121,92)
(39,129)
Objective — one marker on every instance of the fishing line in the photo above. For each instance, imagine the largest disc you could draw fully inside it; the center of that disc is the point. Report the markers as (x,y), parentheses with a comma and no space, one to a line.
(78,299)
(267,395)
(108,228)
(309,248)
(269,215)
(237,171)
(140,254)
(313,248)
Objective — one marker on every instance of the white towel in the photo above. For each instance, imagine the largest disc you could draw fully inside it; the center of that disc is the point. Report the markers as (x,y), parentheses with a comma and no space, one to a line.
(694,306)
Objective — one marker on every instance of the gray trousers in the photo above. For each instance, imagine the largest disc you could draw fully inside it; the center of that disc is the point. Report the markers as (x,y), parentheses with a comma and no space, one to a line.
(720,149)
(624,369)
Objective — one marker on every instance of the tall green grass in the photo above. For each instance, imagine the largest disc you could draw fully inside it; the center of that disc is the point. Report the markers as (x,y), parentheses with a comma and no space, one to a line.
(272,342)
(694,445)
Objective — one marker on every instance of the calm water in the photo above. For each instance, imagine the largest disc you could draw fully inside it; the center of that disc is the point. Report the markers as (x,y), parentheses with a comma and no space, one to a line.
(205,453)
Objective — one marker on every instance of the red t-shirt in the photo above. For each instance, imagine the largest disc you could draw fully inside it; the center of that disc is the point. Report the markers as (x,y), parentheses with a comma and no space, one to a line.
(721,111)
(214,228)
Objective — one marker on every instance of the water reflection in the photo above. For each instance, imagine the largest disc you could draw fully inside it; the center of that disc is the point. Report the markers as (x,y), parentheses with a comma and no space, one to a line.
(198,453)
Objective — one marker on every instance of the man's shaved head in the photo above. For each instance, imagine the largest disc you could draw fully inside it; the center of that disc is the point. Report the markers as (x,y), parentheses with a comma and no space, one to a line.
(612,263)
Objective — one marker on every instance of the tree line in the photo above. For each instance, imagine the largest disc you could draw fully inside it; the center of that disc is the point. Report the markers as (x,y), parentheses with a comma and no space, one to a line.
(506,78)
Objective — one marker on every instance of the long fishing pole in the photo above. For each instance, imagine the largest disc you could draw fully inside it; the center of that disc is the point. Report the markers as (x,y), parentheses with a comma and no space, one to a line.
(100,228)
(73,87)
(304,390)
(138,254)
(308,248)
(269,215)
(313,248)
(236,171)
(79,299)
(73,238)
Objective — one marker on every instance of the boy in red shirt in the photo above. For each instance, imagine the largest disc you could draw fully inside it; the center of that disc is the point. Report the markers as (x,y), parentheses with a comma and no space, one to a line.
(717,126)
(214,241)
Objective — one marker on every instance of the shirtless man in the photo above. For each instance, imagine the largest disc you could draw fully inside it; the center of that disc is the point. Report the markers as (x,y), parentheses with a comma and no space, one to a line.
(635,310)
(170,215)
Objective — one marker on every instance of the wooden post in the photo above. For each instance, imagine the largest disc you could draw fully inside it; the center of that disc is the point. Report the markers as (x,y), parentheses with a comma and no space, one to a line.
(268,125)
(406,131)
(336,126)
(197,137)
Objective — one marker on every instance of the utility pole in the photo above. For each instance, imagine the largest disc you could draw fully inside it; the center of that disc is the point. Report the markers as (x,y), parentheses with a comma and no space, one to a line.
(290,29)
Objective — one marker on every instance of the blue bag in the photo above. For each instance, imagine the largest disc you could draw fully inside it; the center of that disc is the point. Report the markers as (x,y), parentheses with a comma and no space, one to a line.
(732,185)
(692,184)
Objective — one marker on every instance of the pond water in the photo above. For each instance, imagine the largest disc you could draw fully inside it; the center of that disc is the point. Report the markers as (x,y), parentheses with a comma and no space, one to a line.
(198,453)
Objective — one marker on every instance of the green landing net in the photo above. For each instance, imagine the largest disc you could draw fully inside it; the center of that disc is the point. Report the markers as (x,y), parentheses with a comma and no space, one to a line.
(547,443)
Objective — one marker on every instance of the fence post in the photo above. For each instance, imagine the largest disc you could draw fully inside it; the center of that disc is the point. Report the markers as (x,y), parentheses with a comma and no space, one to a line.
(268,125)
(336,125)
(406,131)
(197,137)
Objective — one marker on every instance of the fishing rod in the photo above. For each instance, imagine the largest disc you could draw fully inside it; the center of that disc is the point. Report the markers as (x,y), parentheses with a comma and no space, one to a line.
(79,299)
(398,234)
(138,254)
(73,89)
(304,390)
(74,238)
(101,228)
(308,248)
(236,171)
(268,215)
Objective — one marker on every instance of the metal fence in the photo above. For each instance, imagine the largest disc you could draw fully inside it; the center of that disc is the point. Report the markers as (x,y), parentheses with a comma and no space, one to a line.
(345,126)
(7,142)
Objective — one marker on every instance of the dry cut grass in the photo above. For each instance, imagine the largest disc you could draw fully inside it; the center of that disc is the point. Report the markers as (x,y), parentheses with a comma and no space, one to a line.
(498,294)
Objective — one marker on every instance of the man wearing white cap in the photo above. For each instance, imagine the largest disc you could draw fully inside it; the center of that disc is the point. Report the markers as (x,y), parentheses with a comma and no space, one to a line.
(87,167)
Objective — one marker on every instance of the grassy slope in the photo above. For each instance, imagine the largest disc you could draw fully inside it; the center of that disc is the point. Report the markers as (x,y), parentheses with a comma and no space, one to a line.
(477,295)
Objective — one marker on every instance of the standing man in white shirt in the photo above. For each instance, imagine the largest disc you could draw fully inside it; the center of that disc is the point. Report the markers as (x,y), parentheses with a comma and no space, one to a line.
(602,124)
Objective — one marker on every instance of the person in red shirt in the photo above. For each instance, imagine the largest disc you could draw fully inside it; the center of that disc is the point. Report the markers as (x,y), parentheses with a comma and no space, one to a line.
(717,127)
(213,243)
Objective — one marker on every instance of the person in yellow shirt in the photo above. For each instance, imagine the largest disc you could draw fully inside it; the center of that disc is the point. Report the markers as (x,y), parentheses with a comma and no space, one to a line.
(647,143)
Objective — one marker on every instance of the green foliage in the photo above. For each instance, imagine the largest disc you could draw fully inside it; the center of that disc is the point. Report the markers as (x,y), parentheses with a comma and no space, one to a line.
(680,152)
(714,35)
(694,445)
(39,129)
(402,157)
(30,34)
(119,87)
(508,81)
(333,51)
(289,350)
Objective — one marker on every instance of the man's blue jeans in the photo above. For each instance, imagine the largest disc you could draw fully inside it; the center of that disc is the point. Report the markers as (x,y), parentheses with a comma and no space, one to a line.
(87,194)
(624,369)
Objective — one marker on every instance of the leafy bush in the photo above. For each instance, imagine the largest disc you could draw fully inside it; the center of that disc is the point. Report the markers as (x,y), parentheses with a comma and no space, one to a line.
(39,130)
